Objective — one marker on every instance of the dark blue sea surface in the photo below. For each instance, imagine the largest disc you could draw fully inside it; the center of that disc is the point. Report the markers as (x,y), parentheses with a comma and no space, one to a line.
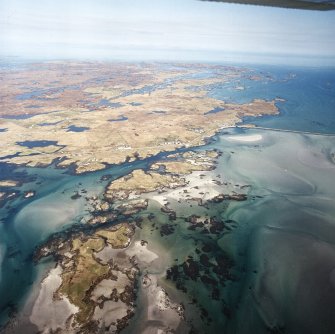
(309,95)
(282,246)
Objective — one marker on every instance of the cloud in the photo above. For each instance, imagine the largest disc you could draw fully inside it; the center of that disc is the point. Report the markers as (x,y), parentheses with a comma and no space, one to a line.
(99,27)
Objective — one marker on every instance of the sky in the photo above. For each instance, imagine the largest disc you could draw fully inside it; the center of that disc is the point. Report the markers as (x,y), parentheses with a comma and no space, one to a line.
(185,30)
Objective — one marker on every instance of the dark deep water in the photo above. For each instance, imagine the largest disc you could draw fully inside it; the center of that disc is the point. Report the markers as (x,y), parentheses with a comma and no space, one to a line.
(309,96)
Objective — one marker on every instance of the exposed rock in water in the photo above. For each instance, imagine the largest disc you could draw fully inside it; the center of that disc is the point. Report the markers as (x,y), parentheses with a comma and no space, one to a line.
(232,197)
(29,194)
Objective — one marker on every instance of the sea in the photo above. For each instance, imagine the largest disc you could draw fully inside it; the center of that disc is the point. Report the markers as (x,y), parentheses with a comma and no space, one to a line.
(283,246)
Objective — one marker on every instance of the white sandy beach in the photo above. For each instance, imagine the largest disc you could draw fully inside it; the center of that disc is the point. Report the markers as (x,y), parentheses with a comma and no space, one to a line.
(142,252)
(106,286)
(246,139)
(109,313)
(201,187)
(49,314)
(162,313)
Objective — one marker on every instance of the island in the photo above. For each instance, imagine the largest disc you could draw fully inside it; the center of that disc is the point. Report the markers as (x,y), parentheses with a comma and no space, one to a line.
(148,250)
(88,116)
(106,270)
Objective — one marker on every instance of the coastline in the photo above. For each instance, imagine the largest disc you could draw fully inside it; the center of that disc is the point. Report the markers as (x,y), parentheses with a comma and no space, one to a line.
(203,192)
(175,251)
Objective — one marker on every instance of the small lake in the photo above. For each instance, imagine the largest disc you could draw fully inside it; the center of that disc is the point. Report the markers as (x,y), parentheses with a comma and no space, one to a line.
(73,128)
(37,143)
(120,119)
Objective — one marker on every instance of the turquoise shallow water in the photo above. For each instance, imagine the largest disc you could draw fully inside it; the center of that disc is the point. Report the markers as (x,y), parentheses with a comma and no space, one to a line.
(26,223)
(287,236)
(283,246)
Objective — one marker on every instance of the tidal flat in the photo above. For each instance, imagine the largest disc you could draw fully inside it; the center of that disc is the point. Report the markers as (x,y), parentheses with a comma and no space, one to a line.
(288,285)
(244,243)
(182,218)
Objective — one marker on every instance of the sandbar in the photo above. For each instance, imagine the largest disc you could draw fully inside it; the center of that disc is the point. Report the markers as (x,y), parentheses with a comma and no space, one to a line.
(247,139)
